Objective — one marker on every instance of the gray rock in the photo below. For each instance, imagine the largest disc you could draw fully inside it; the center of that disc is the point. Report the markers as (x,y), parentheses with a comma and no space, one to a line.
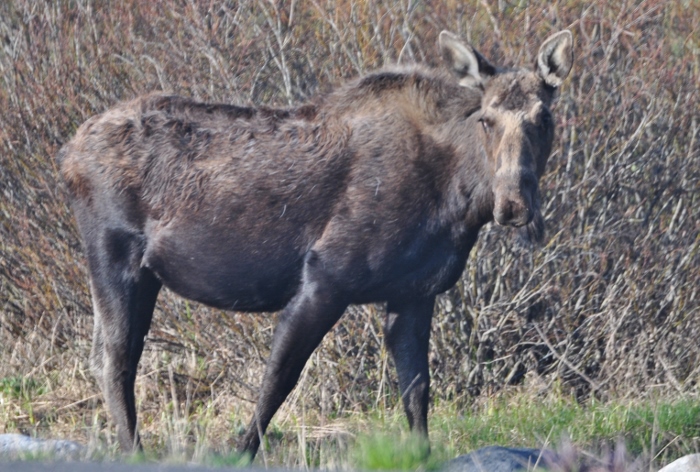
(19,446)
(502,459)
(689,463)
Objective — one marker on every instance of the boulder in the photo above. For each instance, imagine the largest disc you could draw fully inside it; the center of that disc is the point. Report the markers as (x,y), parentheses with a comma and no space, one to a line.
(19,446)
(502,459)
(689,463)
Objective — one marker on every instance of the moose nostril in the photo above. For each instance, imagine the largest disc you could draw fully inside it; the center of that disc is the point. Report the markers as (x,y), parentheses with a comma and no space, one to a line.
(513,213)
(507,212)
(504,212)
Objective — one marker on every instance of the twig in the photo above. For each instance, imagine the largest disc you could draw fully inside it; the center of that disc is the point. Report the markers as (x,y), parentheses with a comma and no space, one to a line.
(594,385)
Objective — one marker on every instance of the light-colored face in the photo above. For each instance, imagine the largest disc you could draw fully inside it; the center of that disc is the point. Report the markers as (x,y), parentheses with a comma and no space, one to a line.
(517,131)
(517,128)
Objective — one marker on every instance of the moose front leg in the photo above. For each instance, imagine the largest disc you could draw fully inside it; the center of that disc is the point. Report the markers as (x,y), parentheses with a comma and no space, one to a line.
(303,324)
(407,333)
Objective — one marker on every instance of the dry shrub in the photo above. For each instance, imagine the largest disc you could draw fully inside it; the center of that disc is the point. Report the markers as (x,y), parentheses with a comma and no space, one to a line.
(607,307)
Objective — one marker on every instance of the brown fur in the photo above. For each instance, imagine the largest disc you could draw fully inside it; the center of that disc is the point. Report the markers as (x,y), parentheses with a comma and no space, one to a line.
(374,192)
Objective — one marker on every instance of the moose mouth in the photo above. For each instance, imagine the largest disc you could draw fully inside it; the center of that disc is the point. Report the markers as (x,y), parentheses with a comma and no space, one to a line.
(519,223)
(506,216)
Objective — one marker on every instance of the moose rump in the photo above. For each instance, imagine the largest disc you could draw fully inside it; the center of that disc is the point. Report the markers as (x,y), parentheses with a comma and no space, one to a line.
(372,193)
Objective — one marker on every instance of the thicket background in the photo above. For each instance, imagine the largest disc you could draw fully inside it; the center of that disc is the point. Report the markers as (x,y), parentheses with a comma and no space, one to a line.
(607,308)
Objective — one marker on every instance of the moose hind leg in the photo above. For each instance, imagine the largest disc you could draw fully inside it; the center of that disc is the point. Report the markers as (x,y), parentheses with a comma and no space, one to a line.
(124,296)
(407,335)
(98,345)
(303,324)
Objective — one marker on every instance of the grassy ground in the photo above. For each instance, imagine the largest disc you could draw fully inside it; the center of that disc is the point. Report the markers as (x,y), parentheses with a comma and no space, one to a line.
(602,320)
(652,432)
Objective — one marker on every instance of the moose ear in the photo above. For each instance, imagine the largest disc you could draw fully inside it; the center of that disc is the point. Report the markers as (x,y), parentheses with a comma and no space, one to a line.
(555,58)
(470,66)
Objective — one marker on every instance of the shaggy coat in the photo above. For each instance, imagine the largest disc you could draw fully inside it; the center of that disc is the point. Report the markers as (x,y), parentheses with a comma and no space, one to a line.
(372,193)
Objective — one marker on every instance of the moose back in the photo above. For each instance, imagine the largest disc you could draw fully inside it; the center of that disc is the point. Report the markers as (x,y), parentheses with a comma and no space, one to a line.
(374,192)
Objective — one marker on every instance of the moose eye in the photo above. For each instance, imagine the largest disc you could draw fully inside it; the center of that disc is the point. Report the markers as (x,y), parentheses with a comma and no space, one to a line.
(486,123)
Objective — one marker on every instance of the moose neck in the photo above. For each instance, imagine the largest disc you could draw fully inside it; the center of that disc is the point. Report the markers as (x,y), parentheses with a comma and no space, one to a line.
(445,113)
(449,113)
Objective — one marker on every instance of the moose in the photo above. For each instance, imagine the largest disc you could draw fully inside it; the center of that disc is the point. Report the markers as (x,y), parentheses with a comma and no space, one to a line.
(372,192)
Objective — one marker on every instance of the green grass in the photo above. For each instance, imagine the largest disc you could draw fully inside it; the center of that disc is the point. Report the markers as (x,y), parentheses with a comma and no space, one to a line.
(20,388)
(658,431)
(394,452)
(663,429)
(655,430)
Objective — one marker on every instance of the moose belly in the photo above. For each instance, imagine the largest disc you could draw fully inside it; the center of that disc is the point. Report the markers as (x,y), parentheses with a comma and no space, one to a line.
(225,271)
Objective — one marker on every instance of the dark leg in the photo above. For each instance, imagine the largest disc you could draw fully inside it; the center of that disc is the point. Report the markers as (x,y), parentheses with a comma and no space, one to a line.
(303,323)
(407,332)
(98,345)
(124,295)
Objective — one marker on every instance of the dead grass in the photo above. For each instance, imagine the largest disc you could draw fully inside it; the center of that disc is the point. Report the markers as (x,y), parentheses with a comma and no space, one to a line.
(607,310)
